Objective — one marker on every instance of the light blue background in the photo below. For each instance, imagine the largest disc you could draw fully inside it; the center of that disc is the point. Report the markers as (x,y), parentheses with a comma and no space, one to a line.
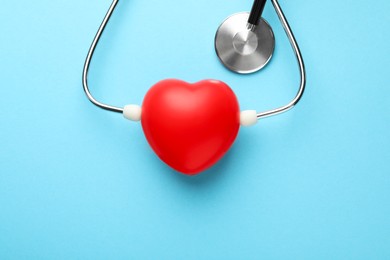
(77,182)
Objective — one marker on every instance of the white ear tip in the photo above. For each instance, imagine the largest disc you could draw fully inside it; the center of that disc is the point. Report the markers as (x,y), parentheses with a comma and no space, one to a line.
(248,117)
(132,112)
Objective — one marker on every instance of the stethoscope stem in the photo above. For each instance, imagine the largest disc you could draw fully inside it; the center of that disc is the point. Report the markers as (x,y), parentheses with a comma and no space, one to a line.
(256,13)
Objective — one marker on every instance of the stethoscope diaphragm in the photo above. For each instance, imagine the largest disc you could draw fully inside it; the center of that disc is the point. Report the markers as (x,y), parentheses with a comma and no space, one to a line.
(242,47)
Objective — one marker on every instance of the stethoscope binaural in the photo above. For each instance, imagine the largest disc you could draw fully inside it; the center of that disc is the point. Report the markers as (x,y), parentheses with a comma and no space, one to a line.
(191,126)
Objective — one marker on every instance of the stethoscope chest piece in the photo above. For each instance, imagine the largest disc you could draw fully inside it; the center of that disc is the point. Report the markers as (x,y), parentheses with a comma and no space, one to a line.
(242,47)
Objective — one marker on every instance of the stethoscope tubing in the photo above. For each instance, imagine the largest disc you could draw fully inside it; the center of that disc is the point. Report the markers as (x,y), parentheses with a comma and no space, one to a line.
(260,115)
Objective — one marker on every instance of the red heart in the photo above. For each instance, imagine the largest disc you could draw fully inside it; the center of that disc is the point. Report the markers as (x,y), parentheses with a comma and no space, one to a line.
(190,126)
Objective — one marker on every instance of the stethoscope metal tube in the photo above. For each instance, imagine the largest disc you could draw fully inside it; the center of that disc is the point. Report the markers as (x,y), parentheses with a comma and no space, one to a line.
(255,15)
(301,64)
(89,59)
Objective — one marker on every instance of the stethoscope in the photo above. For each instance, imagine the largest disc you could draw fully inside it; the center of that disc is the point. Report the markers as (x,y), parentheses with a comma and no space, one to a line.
(191,126)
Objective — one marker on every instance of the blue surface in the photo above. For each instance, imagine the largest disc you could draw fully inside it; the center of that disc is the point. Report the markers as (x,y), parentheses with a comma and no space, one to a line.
(80,183)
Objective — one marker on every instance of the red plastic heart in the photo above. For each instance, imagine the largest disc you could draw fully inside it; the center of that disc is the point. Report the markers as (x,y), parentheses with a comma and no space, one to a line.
(190,126)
